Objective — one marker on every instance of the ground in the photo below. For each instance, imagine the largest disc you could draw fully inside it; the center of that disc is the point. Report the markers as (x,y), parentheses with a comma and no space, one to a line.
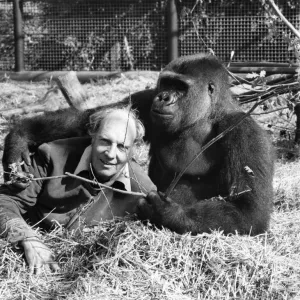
(124,259)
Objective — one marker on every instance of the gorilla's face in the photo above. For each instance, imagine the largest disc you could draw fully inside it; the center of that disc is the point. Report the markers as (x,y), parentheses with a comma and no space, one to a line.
(181,101)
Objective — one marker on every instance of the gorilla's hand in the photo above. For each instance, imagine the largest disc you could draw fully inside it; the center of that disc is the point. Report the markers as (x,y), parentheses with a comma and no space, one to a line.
(16,159)
(158,209)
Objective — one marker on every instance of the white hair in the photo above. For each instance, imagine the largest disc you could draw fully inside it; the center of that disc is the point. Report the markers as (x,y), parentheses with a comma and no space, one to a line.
(97,117)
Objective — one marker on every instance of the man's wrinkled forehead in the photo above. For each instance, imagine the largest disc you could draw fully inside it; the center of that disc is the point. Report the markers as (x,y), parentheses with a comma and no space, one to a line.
(119,118)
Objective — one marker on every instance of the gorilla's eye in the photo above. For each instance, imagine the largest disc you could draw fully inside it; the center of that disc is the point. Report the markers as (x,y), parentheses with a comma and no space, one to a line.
(173,84)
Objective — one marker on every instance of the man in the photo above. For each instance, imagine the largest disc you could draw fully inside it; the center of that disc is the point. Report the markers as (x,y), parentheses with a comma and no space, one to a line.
(104,158)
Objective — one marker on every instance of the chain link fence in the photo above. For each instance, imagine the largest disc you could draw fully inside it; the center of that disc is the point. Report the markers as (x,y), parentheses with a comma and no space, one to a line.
(132,35)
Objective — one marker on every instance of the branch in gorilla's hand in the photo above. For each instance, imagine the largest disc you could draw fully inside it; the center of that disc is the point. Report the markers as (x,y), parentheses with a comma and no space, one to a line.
(23,179)
(105,186)
(162,211)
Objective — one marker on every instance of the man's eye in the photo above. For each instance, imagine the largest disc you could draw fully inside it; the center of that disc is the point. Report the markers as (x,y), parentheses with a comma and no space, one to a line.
(122,147)
(104,142)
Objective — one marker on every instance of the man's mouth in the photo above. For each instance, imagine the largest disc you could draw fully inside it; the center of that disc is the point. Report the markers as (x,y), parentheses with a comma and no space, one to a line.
(107,163)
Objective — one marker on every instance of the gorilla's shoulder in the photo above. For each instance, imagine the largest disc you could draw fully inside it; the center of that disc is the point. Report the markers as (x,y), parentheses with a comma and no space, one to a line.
(247,122)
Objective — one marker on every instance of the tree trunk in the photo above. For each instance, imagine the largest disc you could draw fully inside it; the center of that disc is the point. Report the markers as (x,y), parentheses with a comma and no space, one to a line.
(72,90)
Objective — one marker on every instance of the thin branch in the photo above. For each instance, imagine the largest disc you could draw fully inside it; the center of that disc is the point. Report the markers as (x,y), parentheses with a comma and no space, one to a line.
(282,17)
(268,112)
(83,179)
(218,137)
(105,186)
(48,178)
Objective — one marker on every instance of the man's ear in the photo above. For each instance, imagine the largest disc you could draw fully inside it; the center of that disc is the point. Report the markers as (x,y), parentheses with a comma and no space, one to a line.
(132,151)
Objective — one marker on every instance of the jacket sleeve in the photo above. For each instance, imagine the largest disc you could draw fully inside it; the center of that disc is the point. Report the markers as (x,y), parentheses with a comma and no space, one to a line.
(14,202)
(140,181)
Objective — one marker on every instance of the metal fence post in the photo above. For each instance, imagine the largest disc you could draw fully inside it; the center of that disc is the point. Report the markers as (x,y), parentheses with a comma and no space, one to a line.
(297,131)
(19,35)
(172,30)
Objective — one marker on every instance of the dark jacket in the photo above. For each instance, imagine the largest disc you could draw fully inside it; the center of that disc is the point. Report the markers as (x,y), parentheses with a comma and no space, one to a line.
(58,200)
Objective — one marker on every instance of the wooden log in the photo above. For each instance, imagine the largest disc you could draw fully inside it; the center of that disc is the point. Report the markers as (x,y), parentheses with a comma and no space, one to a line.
(257,69)
(8,113)
(72,90)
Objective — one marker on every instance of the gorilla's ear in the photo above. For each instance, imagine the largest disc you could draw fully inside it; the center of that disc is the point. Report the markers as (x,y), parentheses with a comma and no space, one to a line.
(211,88)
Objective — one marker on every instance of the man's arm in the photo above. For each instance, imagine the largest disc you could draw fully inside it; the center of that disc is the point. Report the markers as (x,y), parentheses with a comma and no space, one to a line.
(16,230)
(14,202)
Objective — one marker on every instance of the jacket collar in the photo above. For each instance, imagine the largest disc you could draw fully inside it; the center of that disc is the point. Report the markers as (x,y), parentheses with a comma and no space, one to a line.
(84,165)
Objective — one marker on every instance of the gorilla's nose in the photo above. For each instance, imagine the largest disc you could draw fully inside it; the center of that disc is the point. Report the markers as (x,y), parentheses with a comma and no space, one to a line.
(166,97)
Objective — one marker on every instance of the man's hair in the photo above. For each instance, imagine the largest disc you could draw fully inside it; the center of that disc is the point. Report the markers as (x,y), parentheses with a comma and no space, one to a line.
(97,117)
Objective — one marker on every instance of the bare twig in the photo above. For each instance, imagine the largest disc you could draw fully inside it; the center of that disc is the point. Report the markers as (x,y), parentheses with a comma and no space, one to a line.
(105,186)
(270,111)
(83,179)
(48,178)
(282,17)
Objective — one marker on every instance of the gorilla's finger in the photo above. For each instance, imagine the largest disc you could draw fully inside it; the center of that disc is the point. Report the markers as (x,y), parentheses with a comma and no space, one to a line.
(21,185)
(152,195)
(26,158)
(142,202)
(164,198)
(154,198)
(144,209)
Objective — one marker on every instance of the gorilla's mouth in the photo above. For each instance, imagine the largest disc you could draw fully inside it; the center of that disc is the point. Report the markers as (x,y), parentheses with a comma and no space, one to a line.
(161,113)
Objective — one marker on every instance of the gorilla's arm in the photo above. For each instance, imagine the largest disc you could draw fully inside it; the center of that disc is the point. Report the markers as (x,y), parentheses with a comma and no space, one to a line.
(246,149)
(29,133)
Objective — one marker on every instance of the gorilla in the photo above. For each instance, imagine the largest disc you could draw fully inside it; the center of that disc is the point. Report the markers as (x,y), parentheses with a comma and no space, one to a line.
(228,187)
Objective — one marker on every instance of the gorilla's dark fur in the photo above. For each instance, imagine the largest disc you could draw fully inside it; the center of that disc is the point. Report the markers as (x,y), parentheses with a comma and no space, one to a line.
(190,106)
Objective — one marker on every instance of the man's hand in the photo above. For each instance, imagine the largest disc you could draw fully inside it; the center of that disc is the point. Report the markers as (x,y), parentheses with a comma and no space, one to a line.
(38,254)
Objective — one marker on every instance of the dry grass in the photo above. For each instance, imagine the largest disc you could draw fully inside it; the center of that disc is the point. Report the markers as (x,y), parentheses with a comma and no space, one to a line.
(124,259)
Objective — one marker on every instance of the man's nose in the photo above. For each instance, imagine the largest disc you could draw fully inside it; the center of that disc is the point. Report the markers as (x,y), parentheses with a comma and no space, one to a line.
(111,151)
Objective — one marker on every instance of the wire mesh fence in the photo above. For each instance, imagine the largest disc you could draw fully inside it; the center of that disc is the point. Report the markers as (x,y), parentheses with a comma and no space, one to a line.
(6,36)
(238,26)
(132,34)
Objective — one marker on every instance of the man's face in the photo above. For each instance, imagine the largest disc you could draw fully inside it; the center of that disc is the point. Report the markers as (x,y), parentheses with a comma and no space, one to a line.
(112,144)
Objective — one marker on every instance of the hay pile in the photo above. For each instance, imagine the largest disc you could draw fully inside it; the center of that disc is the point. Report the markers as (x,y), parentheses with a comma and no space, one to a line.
(124,259)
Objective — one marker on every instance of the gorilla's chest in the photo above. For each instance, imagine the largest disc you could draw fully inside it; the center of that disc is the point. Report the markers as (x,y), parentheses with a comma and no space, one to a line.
(201,178)
(190,188)
(178,155)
